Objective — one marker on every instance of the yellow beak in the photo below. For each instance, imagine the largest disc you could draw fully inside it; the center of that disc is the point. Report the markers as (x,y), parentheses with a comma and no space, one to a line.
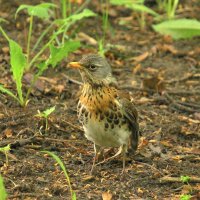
(75,65)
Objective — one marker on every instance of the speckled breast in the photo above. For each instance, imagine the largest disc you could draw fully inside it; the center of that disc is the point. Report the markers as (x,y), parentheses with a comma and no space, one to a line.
(102,120)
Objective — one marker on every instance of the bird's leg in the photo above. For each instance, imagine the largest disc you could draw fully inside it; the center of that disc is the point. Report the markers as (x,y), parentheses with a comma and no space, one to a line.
(119,152)
(124,149)
(96,150)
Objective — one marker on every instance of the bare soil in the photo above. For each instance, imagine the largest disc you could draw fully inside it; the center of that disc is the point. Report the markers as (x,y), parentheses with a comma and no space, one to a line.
(163,77)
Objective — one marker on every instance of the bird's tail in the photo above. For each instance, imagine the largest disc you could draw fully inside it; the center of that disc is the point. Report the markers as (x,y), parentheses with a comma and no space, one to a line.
(134,138)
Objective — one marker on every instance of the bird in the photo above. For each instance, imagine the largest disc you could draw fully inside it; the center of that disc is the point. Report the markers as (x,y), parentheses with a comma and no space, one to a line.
(107,114)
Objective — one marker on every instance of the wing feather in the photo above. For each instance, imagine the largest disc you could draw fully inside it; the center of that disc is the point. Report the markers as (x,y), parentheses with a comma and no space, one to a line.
(131,115)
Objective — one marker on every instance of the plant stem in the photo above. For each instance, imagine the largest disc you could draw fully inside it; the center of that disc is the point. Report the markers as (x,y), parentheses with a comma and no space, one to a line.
(42,35)
(29,40)
(4,34)
(105,20)
(46,127)
(40,52)
(142,21)
(64,8)
(85,3)
(68,8)
(104,27)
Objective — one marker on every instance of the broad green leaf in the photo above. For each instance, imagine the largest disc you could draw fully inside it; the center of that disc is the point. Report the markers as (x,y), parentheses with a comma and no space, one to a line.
(179,28)
(135,5)
(4,90)
(75,17)
(18,63)
(3,193)
(47,112)
(40,10)
(5,149)
(58,53)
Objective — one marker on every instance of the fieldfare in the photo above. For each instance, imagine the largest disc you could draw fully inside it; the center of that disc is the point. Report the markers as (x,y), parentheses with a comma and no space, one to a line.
(108,116)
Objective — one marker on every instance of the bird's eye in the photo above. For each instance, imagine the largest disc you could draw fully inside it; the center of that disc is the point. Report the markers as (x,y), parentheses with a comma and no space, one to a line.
(92,67)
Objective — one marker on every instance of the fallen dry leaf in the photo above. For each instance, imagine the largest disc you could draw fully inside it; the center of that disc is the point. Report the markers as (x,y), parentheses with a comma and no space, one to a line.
(144,100)
(151,71)
(139,190)
(76,1)
(153,83)
(188,120)
(87,39)
(141,57)
(166,143)
(137,69)
(1,115)
(5,49)
(106,196)
(59,88)
(155,149)
(169,48)
(8,133)
(197,116)
(143,142)
(28,77)
(88,178)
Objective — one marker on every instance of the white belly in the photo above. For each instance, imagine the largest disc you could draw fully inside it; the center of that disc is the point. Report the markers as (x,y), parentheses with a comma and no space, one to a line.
(95,131)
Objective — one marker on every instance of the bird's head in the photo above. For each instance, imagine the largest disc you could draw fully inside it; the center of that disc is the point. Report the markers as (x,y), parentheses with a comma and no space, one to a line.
(94,70)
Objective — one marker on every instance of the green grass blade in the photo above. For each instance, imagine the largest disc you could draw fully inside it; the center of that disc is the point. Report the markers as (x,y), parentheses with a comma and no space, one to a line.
(57,159)
(3,193)
(2,20)
(4,90)
(18,63)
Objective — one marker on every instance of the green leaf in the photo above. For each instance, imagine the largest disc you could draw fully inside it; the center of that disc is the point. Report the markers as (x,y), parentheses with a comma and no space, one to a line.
(2,20)
(57,159)
(179,28)
(135,5)
(4,90)
(40,10)
(143,8)
(185,197)
(58,53)
(75,17)
(5,149)
(185,179)
(3,193)
(74,196)
(47,112)
(125,2)
(42,66)
(18,63)
(83,14)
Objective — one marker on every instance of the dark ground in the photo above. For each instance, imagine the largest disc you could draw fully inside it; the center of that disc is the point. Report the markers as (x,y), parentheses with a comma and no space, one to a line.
(163,77)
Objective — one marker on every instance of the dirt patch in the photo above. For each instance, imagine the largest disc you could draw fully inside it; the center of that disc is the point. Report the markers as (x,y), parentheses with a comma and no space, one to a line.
(163,78)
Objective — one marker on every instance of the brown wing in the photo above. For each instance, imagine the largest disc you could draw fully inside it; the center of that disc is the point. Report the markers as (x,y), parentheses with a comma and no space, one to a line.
(131,115)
